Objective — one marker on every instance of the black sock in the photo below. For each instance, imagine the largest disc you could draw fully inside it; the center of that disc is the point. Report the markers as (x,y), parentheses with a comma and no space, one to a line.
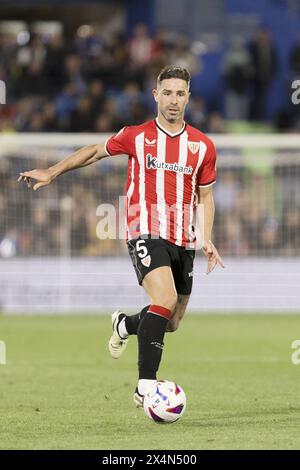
(150,334)
(132,321)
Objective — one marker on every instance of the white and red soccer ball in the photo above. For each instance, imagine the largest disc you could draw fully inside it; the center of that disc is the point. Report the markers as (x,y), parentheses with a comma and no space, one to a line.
(164,402)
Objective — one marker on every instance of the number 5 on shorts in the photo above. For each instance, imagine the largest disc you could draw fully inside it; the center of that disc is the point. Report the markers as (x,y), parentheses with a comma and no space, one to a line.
(141,248)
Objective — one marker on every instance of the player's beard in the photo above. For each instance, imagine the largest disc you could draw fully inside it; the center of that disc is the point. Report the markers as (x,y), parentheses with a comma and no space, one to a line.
(171,119)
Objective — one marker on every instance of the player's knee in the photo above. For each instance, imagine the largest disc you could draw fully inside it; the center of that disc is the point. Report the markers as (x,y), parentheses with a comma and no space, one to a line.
(169,301)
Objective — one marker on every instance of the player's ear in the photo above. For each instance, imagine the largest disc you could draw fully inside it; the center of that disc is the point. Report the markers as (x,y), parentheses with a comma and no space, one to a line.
(155,94)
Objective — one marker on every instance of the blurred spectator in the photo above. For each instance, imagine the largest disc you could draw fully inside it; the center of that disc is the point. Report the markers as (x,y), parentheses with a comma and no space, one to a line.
(88,43)
(24,108)
(269,236)
(140,47)
(73,73)
(237,69)
(29,69)
(227,194)
(55,57)
(110,108)
(264,60)
(82,117)
(5,124)
(131,103)
(37,122)
(120,61)
(65,103)
(180,54)
(96,94)
(215,123)
(196,112)
(291,229)
(32,81)
(295,58)
(104,123)
(41,236)
(49,117)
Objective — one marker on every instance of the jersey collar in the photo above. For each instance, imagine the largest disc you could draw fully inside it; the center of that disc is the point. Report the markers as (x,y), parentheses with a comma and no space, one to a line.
(176,134)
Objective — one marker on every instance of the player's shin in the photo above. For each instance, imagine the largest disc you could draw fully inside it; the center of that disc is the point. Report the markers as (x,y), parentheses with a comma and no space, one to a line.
(150,334)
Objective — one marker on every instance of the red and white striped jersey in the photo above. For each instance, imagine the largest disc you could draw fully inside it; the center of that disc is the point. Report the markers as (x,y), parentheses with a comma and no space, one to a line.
(164,171)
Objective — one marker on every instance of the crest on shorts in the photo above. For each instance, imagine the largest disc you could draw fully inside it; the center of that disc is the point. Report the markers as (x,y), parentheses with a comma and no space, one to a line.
(194,146)
(146,261)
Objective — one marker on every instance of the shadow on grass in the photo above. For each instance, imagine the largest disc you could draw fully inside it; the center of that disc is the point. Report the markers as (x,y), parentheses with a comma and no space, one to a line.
(272,414)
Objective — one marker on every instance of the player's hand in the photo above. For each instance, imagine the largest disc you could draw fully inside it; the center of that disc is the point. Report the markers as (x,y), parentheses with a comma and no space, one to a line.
(213,257)
(43,177)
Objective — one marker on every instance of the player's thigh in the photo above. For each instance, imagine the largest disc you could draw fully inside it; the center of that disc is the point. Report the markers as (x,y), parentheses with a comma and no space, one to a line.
(182,265)
(179,311)
(160,287)
(151,261)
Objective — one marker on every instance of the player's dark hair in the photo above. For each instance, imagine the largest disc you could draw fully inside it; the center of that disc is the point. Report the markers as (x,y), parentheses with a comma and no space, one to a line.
(173,71)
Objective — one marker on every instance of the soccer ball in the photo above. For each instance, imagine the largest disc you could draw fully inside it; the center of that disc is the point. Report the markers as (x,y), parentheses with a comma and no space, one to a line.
(164,402)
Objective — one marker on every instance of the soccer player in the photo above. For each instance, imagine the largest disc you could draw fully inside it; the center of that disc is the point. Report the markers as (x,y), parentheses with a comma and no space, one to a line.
(171,165)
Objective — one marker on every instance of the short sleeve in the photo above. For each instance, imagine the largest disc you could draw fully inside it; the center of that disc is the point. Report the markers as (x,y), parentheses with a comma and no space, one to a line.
(208,170)
(120,143)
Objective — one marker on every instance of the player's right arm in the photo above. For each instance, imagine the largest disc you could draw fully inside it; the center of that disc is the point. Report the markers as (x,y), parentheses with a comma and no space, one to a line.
(82,157)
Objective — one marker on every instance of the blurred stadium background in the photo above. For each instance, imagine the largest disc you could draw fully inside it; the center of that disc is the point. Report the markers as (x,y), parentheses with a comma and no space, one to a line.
(77,72)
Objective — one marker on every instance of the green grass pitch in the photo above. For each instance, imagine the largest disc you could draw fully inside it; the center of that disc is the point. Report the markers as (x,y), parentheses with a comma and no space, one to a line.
(61,390)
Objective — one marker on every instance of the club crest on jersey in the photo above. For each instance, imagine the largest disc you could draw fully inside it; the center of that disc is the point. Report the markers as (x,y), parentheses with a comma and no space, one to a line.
(194,146)
(146,261)
(154,164)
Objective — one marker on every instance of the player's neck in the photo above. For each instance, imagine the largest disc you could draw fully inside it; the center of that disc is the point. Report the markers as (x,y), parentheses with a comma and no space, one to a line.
(172,128)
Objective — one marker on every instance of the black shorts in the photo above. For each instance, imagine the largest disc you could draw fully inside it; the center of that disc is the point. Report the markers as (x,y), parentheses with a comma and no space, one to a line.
(150,253)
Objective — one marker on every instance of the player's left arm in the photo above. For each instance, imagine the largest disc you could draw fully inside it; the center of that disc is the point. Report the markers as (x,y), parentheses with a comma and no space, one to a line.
(206,199)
